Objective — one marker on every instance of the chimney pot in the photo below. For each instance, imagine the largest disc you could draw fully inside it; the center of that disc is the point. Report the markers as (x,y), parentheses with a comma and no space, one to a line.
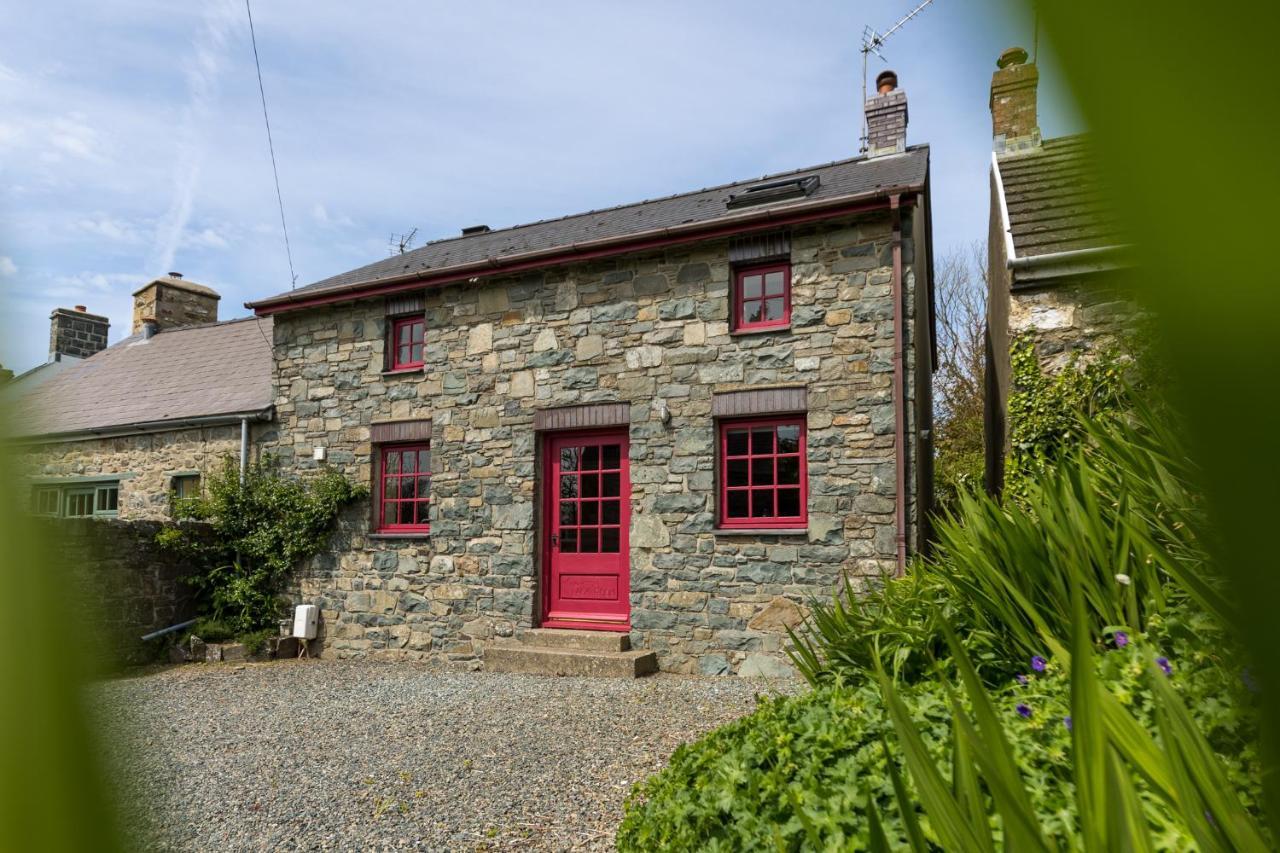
(886,81)
(82,309)
(1012,56)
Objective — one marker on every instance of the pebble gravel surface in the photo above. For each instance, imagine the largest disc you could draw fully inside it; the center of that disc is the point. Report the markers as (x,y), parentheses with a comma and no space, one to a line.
(331,755)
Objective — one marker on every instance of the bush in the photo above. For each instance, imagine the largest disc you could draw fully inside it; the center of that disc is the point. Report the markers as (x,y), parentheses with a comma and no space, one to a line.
(1118,504)
(263,526)
(804,772)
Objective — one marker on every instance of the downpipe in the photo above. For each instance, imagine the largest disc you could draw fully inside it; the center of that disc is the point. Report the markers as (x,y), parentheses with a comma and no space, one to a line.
(899,393)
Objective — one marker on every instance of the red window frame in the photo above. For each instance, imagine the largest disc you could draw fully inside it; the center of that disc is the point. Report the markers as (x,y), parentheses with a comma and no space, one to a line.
(404,347)
(749,295)
(755,476)
(390,496)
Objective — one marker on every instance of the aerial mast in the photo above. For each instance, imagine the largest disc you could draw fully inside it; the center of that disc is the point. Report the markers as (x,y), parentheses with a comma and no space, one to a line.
(872,41)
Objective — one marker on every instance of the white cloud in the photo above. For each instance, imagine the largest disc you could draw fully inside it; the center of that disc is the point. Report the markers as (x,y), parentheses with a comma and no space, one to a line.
(203,68)
(7,266)
(117,230)
(204,239)
(322,216)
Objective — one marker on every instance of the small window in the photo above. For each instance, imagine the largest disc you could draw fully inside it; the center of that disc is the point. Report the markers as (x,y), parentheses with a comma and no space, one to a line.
(185,486)
(46,500)
(79,503)
(403,499)
(106,500)
(407,336)
(763,474)
(762,297)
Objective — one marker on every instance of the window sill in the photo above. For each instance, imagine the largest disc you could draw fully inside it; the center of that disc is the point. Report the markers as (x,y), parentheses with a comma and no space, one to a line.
(404,371)
(740,333)
(421,534)
(760,531)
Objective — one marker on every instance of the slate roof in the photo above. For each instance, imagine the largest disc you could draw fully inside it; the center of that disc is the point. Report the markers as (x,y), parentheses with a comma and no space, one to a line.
(1056,199)
(192,372)
(855,177)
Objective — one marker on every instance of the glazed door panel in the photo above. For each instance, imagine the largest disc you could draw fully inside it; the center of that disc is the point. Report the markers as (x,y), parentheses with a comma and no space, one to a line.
(588,514)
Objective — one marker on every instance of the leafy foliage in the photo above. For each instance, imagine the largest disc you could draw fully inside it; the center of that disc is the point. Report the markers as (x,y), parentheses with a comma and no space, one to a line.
(807,772)
(1118,503)
(262,528)
(1048,412)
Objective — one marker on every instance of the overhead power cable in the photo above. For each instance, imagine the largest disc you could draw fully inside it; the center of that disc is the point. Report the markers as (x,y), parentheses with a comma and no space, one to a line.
(293,277)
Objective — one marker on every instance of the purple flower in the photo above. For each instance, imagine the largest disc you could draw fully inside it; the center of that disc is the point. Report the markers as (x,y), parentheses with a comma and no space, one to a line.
(1122,639)
(1024,711)
(1066,721)
(1038,663)
(1021,679)
(1163,663)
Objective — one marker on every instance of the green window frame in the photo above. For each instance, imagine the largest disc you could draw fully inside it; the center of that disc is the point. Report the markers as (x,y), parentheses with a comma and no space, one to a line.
(89,500)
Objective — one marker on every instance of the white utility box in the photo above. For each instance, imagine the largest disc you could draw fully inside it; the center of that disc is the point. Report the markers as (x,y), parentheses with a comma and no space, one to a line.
(305,620)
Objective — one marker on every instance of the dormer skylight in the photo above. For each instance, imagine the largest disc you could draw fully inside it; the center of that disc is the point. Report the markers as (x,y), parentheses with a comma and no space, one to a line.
(774,191)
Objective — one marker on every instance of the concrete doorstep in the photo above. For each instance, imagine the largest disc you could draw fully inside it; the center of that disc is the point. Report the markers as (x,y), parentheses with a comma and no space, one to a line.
(548,651)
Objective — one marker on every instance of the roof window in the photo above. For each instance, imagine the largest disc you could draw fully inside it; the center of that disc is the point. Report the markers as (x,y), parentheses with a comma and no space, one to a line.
(774,191)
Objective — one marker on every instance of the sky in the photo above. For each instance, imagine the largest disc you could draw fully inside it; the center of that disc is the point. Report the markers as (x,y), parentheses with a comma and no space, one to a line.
(132,140)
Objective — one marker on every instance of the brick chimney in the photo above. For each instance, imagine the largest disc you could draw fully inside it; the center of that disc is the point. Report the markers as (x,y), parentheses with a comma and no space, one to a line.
(1013,102)
(174,302)
(76,333)
(886,117)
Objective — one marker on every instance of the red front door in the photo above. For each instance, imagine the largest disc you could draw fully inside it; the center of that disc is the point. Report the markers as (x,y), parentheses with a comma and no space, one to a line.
(588,512)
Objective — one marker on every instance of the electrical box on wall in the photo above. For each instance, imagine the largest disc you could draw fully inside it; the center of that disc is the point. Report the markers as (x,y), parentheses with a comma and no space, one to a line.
(306,619)
(317,453)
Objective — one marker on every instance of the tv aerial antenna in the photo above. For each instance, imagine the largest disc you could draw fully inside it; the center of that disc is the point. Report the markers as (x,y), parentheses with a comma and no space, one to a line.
(398,244)
(872,41)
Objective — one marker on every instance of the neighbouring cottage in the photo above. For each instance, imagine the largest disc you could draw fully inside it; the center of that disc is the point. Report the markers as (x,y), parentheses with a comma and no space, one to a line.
(672,423)
(1057,257)
(118,432)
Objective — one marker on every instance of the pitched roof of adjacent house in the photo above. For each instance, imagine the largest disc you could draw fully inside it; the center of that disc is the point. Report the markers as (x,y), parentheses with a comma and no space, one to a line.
(177,375)
(691,212)
(1055,200)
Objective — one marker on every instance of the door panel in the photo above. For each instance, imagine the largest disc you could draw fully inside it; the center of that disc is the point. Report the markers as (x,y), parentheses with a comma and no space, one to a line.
(585,530)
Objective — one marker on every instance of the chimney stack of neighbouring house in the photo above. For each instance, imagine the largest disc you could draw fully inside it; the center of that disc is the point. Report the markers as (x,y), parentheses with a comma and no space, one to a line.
(886,117)
(1013,102)
(174,302)
(77,333)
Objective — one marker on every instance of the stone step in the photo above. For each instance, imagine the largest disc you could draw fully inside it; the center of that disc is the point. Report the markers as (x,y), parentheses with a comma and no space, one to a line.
(587,641)
(541,660)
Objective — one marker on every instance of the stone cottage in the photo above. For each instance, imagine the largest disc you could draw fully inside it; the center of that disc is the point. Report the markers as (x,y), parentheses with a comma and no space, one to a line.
(643,434)
(1057,258)
(115,434)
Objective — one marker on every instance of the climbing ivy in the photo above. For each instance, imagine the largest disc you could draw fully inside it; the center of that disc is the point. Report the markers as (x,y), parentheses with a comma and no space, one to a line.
(1044,410)
(262,527)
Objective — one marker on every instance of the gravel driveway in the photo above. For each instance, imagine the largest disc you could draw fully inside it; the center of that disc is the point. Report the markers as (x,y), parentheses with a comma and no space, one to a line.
(342,755)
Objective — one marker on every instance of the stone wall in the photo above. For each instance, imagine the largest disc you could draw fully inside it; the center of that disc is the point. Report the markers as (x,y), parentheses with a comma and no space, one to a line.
(144,463)
(644,329)
(1077,314)
(118,582)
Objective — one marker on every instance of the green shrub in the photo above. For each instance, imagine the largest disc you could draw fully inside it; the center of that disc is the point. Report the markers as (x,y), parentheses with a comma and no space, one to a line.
(254,641)
(1118,504)
(263,525)
(803,773)
(212,630)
